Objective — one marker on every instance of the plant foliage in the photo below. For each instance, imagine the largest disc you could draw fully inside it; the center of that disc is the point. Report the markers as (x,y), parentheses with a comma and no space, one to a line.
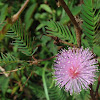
(22,40)
(91,17)
(60,31)
(8,59)
(21,78)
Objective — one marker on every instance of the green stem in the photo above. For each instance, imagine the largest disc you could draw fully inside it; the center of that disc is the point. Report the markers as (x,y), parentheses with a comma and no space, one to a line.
(44,82)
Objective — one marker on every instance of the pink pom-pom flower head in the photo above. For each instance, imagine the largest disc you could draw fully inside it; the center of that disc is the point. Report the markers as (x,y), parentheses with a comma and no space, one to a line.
(75,69)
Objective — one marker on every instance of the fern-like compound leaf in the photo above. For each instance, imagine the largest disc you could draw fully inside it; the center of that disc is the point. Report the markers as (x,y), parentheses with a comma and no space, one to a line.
(60,31)
(8,59)
(91,18)
(21,39)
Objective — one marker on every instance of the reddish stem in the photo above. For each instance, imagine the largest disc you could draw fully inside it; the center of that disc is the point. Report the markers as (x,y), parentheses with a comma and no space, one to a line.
(77,28)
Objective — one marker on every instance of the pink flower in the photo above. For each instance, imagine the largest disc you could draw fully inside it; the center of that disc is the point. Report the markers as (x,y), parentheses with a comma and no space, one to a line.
(75,69)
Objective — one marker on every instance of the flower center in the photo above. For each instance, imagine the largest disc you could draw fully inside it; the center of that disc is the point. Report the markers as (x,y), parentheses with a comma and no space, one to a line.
(73,72)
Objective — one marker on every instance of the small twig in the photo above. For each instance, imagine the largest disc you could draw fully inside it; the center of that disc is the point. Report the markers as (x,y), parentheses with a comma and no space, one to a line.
(61,41)
(40,60)
(77,28)
(27,79)
(4,72)
(92,93)
(16,16)
(97,88)
(34,58)
(58,4)
(70,44)
(11,70)
(47,59)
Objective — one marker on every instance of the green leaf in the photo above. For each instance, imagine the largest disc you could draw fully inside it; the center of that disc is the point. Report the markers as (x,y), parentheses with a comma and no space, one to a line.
(4,83)
(46,8)
(28,16)
(14,89)
(4,12)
